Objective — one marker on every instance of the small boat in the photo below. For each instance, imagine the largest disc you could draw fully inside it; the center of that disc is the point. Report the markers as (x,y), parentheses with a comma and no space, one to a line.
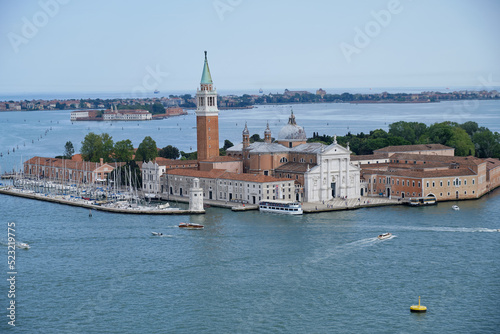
(384,236)
(22,245)
(190,226)
(158,234)
(455,207)
(156,91)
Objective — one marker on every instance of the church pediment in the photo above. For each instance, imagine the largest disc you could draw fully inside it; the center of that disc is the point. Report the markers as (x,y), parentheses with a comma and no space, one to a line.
(335,149)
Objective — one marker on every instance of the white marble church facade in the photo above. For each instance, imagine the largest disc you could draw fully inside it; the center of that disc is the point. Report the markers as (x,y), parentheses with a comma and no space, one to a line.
(333,176)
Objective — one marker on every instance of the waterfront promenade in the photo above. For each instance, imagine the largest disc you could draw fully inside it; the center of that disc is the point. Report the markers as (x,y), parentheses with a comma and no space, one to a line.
(308,207)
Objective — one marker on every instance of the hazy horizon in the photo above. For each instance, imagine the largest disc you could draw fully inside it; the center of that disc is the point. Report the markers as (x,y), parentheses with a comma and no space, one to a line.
(65,46)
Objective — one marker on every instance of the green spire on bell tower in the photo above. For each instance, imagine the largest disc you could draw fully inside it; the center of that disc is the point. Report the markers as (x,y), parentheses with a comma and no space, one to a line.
(206,78)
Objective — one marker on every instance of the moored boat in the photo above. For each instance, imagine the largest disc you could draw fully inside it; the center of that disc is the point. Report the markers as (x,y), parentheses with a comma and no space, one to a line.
(419,201)
(191,226)
(384,236)
(289,208)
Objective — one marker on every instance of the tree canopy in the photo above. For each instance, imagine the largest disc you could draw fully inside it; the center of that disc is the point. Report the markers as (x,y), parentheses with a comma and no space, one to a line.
(467,138)
(94,147)
(147,150)
(69,150)
(123,150)
(169,152)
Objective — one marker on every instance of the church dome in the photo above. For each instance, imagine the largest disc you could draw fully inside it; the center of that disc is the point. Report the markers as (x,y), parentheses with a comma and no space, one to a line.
(292,131)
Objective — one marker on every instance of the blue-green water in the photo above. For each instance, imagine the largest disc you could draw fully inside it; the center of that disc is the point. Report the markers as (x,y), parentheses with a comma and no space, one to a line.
(256,273)
(249,272)
(44,133)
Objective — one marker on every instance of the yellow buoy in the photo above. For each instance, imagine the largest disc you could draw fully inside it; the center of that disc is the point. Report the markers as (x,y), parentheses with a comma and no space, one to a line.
(418,308)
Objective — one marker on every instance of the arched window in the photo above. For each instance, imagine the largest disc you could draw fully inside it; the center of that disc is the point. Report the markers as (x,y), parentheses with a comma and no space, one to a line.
(283,159)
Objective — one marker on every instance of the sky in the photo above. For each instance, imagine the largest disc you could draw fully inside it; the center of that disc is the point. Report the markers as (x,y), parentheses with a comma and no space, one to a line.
(134,46)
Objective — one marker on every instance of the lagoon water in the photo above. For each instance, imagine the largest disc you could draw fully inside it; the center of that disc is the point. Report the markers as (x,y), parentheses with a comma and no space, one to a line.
(250,272)
(44,133)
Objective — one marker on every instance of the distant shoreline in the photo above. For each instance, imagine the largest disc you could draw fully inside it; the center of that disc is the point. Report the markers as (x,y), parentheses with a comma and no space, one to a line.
(247,101)
(388,101)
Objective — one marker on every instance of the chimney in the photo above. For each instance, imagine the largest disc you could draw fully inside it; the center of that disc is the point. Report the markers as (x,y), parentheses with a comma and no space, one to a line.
(101,161)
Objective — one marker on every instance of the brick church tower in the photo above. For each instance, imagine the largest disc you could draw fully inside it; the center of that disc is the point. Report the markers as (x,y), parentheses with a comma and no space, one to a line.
(207,116)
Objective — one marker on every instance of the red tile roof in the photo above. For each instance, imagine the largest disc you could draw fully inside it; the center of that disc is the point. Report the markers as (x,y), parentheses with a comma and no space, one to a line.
(220,159)
(492,163)
(410,148)
(470,160)
(222,174)
(368,157)
(422,174)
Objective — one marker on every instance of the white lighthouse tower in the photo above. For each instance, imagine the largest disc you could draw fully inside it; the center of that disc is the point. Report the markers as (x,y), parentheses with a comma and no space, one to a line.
(196,196)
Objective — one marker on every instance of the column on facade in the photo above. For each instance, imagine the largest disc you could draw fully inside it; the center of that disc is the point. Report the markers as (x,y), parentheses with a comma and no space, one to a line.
(346,176)
(321,176)
(340,187)
(328,178)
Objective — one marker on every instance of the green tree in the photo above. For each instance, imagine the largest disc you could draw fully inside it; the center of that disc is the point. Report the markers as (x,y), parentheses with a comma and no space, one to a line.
(440,133)
(227,144)
(169,152)
(486,143)
(107,147)
(91,147)
(470,127)
(157,108)
(410,131)
(255,138)
(461,141)
(69,150)
(147,150)
(94,147)
(189,155)
(123,150)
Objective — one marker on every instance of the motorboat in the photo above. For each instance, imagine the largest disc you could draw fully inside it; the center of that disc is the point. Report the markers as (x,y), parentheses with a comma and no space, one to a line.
(158,234)
(384,236)
(22,245)
(455,207)
(190,226)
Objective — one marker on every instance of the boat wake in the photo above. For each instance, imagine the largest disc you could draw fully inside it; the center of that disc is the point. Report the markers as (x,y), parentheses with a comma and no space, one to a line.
(445,229)
(347,248)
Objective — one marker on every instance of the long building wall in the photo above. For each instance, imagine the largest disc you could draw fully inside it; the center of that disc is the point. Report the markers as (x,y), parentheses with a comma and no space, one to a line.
(231,190)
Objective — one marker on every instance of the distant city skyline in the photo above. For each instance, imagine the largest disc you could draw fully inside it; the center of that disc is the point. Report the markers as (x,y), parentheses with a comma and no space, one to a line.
(68,46)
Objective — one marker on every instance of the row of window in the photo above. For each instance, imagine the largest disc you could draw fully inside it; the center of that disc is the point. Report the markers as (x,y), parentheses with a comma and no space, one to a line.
(456,182)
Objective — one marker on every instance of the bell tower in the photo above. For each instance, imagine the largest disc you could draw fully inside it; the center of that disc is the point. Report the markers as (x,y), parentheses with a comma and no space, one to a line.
(267,134)
(207,116)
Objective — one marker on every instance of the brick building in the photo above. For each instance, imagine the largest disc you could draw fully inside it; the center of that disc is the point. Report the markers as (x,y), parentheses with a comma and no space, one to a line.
(442,176)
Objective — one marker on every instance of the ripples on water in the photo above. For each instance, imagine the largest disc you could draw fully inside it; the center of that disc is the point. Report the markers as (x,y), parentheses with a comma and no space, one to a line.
(27,130)
(251,272)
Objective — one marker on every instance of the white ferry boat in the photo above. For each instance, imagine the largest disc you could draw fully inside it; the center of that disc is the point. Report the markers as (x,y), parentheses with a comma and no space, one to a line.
(419,201)
(289,208)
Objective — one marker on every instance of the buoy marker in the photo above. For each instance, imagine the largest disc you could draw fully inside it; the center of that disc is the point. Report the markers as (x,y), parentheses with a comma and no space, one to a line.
(418,308)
